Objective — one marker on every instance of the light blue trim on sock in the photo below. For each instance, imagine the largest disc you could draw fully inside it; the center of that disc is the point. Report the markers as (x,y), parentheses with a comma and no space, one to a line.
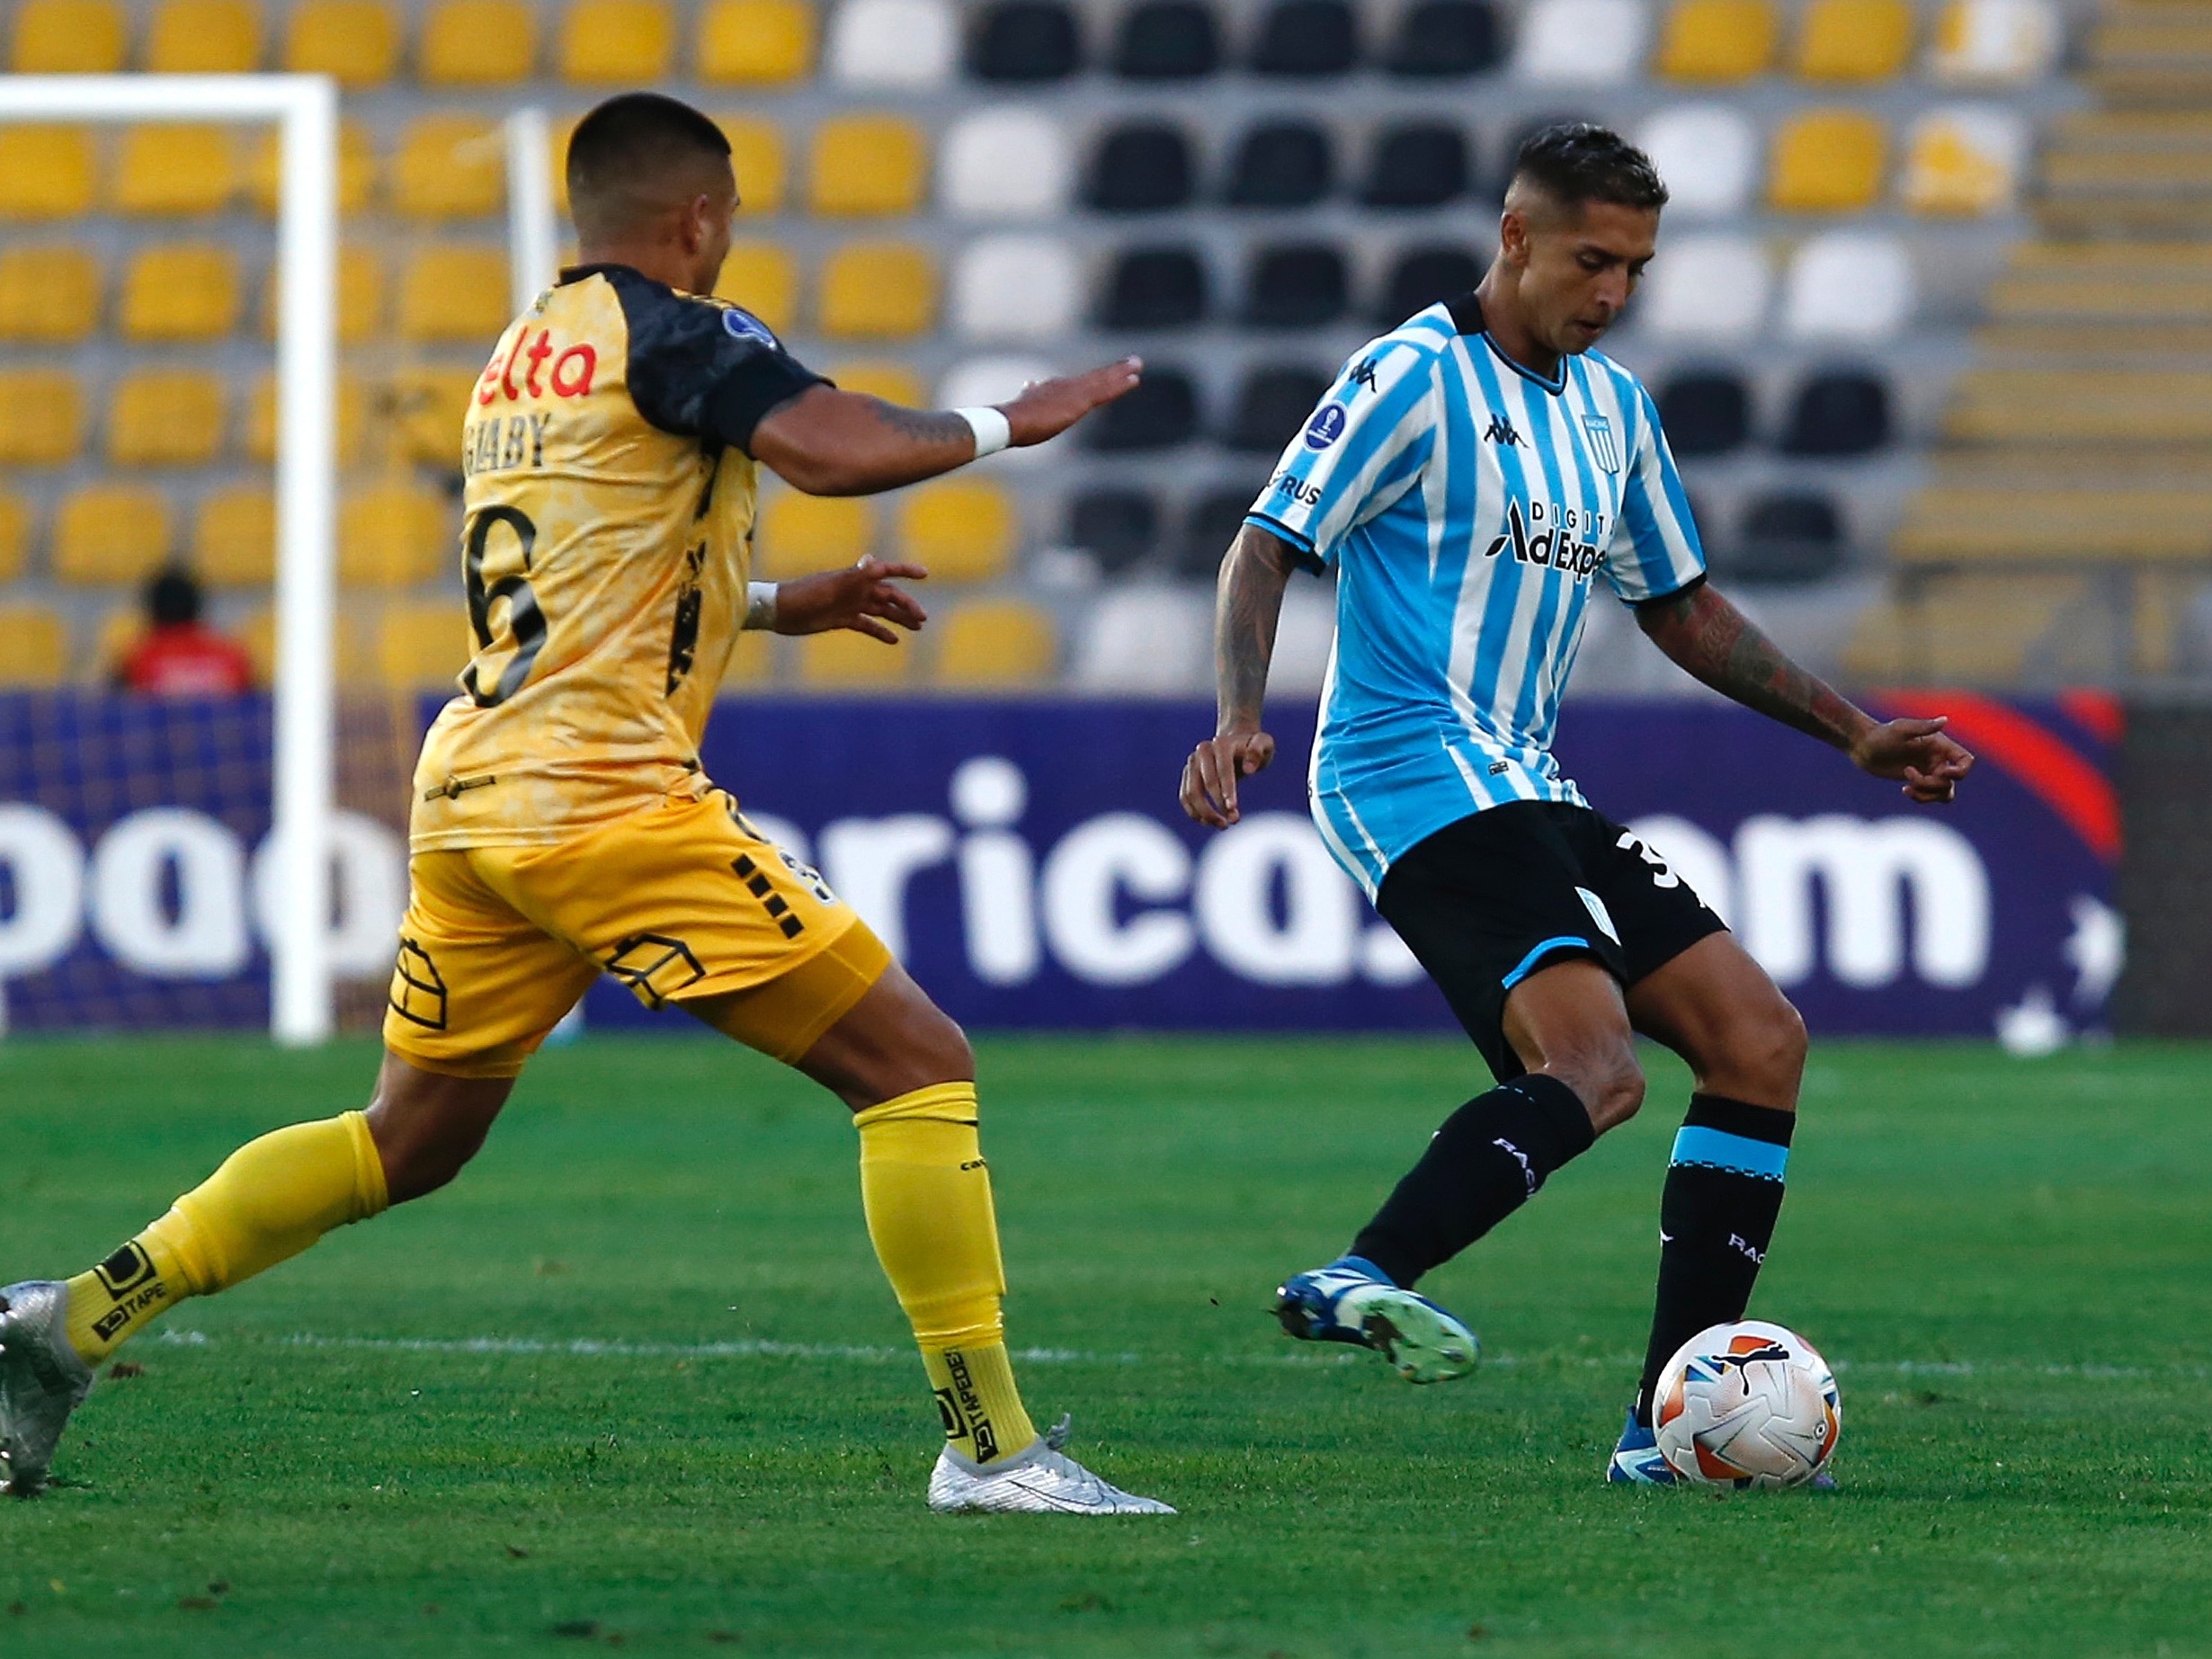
(1718,1149)
(1529,963)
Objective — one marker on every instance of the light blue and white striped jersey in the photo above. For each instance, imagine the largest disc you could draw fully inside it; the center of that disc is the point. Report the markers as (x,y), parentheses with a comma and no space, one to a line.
(1466,506)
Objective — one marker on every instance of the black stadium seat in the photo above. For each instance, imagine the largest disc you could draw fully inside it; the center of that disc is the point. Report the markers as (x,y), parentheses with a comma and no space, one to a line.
(1167,41)
(1421,276)
(1282,164)
(1024,40)
(1440,38)
(1788,537)
(1307,38)
(1142,167)
(1155,288)
(1705,412)
(1210,527)
(1116,527)
(1272,405)
(1296,285)
(1159,414)
(1838,412)
(1419,165)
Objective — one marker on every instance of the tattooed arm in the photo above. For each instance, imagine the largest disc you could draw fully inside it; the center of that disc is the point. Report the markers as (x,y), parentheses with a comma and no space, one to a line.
(1247,602)
(1713,641)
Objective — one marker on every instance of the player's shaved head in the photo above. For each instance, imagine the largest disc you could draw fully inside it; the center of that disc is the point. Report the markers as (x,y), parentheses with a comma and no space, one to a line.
(1562,169)
(638,157)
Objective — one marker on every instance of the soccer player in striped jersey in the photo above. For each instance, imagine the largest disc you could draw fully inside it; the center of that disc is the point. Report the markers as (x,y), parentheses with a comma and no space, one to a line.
(1470,478)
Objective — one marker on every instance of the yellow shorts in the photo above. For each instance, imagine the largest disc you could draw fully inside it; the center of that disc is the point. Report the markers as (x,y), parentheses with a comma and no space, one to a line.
(682,901)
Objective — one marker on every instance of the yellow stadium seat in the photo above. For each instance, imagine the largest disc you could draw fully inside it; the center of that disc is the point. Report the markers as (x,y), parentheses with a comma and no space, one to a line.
(1826,161)
(261,420)
(752,659)
(356,42)
(892,382)
(45,171)
(394,535)
(847,661)
(425,409)
(204,37)
(1854,39)
(449,167)
(1961,163)
(42,417)
(876,290)
(234,539)
(173,169)
(454,293)
(611,43)
(865,166)
(34,646)
(357,168)
(181,291)
(755,42)
(110,532)
(361,296)
(68,37)
(477,43)
(48,296)
(14,535)
(757,157)
(801,534)
(763,279)
(996,643)
(423,647)
(960,529)
(558,134)
(165,417)
(1717,41)
(118,630)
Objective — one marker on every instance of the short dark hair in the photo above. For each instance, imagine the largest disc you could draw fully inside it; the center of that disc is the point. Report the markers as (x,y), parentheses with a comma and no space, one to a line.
(172,597)
(618,150)
(1575,162)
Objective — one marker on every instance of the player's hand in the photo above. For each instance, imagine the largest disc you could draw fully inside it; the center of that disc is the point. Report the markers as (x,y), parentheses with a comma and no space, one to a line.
(1918,753)
(1047,408)
(853,598)
(1209,777)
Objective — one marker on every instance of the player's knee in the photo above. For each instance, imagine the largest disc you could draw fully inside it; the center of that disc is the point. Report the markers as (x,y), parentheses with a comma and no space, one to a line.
(1766,1052)
(1609,1081)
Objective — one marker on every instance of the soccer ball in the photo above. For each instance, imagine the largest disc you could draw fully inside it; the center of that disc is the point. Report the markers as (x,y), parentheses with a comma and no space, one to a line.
(1747,1405)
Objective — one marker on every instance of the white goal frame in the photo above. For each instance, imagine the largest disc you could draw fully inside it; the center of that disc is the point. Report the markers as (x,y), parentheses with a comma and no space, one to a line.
(305,111)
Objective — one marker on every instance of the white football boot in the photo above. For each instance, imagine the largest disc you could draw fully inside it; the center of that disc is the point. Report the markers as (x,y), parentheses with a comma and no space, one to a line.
(1039,1480)
(42,1381)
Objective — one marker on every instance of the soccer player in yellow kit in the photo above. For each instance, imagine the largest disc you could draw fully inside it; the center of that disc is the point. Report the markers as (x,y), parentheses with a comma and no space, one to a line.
(562,828)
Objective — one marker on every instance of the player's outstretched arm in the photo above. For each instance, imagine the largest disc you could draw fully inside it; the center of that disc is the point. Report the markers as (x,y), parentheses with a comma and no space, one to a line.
(1713,641)
(828,442)
(1247,605)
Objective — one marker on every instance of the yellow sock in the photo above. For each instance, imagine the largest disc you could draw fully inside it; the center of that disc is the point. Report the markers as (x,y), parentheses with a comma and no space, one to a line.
(927,1193)
(271,1199)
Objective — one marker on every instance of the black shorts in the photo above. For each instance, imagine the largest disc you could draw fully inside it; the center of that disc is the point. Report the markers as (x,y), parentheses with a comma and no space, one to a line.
(1485,902)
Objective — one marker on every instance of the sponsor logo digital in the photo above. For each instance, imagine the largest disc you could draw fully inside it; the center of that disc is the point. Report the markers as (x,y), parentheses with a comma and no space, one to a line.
(1564,538)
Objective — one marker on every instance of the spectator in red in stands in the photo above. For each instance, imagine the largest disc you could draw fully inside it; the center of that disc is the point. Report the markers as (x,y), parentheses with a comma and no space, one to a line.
(179,655)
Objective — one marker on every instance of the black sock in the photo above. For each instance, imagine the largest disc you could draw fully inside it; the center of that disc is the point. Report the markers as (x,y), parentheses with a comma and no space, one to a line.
(1716,1219)
(1486,1162)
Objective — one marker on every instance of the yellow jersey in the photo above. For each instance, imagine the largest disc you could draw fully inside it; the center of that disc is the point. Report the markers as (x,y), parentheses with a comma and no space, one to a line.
(606,538)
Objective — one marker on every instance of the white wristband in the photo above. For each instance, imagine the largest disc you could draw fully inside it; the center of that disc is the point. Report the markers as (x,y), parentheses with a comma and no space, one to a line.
(992,430)
(760,605)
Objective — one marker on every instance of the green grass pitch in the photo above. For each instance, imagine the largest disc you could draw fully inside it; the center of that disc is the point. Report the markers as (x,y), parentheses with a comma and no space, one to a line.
(635,1381)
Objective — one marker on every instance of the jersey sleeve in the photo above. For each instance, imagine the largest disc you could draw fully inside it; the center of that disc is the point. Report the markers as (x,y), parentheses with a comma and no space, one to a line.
(1367,442)
(1654,550)
(704,369)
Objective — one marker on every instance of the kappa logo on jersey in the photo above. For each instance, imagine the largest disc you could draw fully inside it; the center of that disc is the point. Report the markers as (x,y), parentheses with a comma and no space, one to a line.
(1326,426)
(1602,449)
(1364,375)
(744,325)
(1545,537)
(1501,432)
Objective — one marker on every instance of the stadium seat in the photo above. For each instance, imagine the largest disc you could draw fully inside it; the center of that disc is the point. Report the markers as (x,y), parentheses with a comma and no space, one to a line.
(1826,161)
(34,647)
(763,279)
(876,290)
(14,535)
(1422,275)
(454,292)
(1212,523)
(1296,285)
(844,661)
(1848,285)
(357,168)
(800,534)
(1147,639)
(894,382)
(1964,161)
(424,409)
(1155,288)
(757,157)
(165,417)
(1838,412)
(1282,165)
(1789,536)
(1717,40)
(233,538)
(109,532)
(905,43)
(260,423)
(1006,163)
(616,43)
(1272,405)
(1855,40)
(448,167)
(1307,38)
(204,37)
(1140,167)
(996,643)
(866,166)
(996,378)
(477,43)
(1971,628)
(1710,286)
(1708,155)
(1581,42)
(1167,41)
(755,42)
(1705,412)
(48,296)
(393,535)
(45,171)
(1439,39)
(356,42)
(179,292)
(422,647)
(1016,287)
(1117,527)
(1024,40)
(173,169)
(1417,165)
(360,297)
(1995,42)
(68,37)
(962,529)
(1161,413)
(42,417)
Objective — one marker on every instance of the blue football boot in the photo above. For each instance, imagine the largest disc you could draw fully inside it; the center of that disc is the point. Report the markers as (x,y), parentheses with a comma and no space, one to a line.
(1637,1461)
(1352,1300)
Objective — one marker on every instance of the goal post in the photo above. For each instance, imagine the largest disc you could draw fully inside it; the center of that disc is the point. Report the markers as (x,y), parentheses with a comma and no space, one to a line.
(303,109)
